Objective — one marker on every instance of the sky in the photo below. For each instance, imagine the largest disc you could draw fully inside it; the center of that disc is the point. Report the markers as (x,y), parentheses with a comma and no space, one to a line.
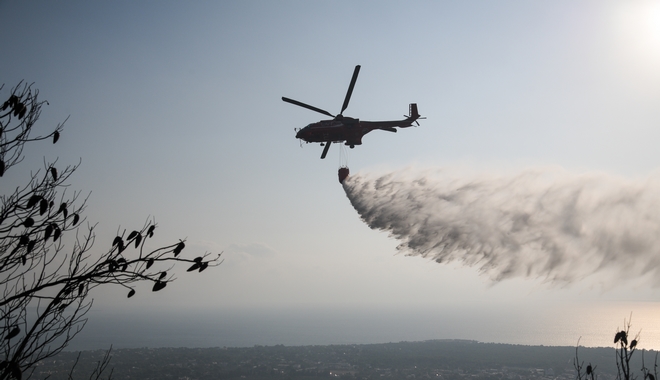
(175,111)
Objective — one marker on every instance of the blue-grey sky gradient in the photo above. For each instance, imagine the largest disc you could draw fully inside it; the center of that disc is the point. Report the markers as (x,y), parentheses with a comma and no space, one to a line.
(175,109)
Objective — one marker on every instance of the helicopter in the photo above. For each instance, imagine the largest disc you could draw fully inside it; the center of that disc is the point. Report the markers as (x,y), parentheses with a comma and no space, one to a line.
(347,129)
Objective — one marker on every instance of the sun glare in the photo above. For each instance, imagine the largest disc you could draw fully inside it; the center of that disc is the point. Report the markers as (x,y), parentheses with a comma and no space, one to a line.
(636,40)
(653,21)
(639,24)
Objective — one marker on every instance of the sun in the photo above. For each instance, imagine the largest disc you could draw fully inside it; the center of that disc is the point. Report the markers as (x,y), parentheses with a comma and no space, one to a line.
(637,32)
(654,21)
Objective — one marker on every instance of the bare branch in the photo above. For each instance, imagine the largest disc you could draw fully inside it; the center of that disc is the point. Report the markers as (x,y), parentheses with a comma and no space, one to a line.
(45,283)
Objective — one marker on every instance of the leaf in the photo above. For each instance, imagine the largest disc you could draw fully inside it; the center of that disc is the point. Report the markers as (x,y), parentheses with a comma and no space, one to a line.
(2,168)
(33,201)
(178,249)
(23,240)
(62,209)
(150,262)
(76,218)
(43,206)
(150,231)
(22,112)
(24,259)
(53,172)
(15,331)
(617,337)
(589,369)
(198,259)
(117,240)
(195,266)
(81,289)
(29,222)
(112,265)
(158,286)
(131,293)
(56,233)
(162,275)
(56,136)
(138,240)
(132,235)
(31,245)
(203,266)
(48,232)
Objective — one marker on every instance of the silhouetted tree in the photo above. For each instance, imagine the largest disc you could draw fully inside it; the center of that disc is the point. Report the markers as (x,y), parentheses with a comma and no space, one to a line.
(583,373)
(648,375)
(623,351)
(45,281)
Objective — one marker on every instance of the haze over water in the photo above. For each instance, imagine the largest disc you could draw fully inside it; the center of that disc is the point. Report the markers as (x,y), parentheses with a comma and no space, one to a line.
(594,325)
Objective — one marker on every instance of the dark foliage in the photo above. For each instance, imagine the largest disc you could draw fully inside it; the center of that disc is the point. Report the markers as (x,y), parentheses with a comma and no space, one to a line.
(623,354)
(46,282)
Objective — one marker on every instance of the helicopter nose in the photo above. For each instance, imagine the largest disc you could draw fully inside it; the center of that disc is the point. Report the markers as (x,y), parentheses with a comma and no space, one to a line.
(301,133)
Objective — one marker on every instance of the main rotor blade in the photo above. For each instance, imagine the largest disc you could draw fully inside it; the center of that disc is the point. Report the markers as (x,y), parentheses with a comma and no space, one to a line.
(350,88)
(325,150)
(301,104)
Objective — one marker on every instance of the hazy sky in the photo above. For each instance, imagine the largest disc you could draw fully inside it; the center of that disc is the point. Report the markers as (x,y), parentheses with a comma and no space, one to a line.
(175,109)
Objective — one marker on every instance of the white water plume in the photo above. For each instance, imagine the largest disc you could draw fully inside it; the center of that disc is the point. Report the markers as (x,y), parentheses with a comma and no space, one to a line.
(544,223)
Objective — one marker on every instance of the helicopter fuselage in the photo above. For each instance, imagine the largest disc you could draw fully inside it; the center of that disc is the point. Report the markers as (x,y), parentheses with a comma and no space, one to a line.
(346,129)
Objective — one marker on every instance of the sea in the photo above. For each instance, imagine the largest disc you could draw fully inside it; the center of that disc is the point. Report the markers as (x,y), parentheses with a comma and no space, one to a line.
(586,325)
